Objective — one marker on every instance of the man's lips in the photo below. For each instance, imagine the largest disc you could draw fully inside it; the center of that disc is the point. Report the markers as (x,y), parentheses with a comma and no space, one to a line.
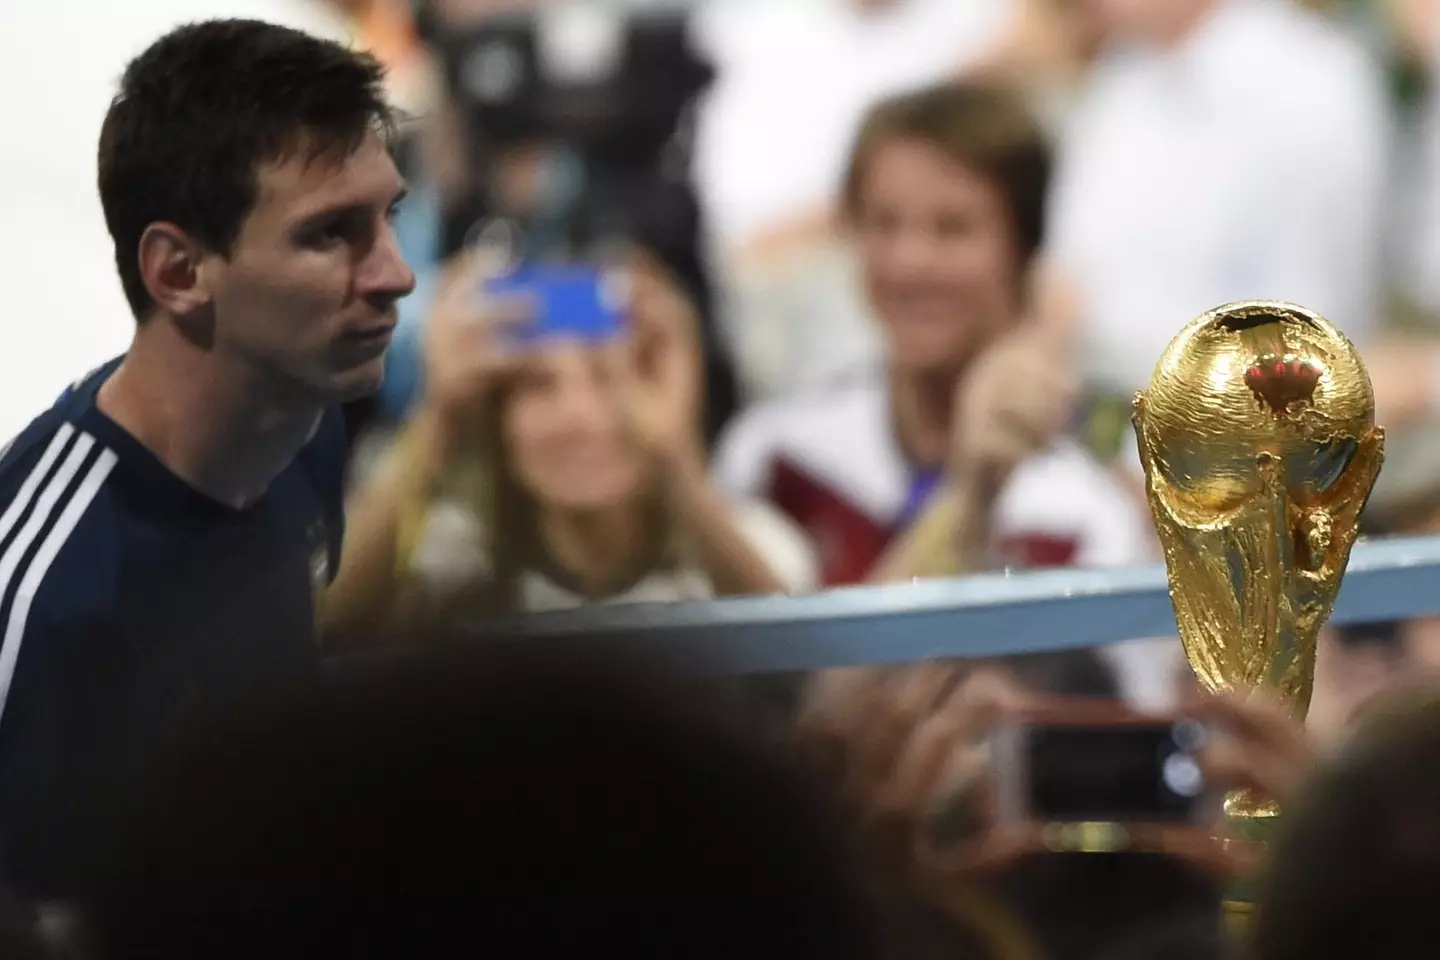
(370,334)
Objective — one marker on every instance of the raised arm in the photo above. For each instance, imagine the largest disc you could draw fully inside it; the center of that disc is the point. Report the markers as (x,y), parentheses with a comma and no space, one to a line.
(658,375)
(462,361)
(1012,404)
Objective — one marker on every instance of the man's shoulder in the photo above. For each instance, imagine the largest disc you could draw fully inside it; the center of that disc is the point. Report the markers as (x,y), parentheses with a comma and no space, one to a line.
(53,506)
(68,408)
(30,455)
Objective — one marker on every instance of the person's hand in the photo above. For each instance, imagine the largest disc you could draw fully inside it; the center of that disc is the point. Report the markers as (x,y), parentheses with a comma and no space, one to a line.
(1254,745)
(464,354)
(1013,402)
(896,745)
(657,371)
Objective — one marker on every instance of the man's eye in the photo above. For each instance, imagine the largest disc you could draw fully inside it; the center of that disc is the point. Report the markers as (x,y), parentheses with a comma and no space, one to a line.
(320,236)
(328,235)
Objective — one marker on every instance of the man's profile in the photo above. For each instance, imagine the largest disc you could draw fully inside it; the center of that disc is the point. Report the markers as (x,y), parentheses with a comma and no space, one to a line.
(164,524)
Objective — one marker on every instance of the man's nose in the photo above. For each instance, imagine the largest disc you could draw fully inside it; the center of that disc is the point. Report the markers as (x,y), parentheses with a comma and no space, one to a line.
(385,272)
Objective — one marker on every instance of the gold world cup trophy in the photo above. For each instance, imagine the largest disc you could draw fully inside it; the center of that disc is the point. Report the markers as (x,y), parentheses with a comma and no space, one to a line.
(1260,448)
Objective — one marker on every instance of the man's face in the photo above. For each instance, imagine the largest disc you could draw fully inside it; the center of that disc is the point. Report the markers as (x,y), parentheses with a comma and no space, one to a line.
(307,297)
(938,255)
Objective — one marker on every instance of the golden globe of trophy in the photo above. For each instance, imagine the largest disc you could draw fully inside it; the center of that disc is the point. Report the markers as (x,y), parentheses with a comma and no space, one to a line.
(1260,448)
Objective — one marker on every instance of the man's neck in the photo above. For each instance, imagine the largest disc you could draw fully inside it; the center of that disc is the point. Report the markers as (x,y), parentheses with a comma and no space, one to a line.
(922,404)
(211,420)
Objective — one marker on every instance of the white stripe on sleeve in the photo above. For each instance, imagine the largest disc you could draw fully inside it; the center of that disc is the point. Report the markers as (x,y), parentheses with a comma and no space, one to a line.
(27,489)
(39,564)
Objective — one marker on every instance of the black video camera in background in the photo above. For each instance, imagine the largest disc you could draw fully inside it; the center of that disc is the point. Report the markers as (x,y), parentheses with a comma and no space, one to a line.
(625,122)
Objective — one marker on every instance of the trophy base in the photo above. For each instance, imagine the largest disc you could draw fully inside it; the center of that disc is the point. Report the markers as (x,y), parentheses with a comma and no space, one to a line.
(1244,805)
(1249,822)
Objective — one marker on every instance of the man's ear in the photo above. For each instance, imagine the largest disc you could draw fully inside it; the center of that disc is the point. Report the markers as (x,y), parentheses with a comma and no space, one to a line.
(170,266)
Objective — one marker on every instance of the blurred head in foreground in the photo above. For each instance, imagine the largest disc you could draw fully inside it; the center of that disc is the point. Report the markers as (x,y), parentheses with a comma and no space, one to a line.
(498,800)
(1355,868)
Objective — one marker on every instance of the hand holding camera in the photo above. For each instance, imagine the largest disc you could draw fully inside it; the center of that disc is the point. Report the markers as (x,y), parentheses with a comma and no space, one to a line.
(896,744)
(657,370)
(467,350)
(949,770)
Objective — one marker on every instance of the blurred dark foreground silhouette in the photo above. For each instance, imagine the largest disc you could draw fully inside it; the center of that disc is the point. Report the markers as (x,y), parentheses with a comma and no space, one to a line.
(490,800)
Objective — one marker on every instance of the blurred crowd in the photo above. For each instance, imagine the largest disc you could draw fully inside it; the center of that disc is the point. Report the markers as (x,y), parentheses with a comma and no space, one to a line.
(901,266)
(889,273)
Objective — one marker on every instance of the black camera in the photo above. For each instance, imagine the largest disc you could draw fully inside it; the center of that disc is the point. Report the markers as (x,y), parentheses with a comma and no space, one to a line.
(610,91)
(609,88)
(1119,769)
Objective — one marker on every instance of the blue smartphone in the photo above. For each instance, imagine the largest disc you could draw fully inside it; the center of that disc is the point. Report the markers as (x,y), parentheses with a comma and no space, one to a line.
(570,302)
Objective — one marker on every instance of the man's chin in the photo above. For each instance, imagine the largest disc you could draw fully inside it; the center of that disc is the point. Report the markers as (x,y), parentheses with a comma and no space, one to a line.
(357,383)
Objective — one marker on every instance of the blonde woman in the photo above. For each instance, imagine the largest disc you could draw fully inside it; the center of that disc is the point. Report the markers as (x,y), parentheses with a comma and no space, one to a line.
(550,477)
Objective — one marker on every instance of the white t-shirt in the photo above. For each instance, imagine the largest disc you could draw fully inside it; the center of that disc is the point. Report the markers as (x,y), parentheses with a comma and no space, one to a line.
(1250,163)
(450,553)
(795,78)
(832,464)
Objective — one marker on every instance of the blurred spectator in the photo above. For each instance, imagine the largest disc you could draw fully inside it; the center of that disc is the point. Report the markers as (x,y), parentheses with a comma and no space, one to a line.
(53,233)
(1352,871)
(565,119)
(1221,150)
(1353,665)
(1358,662)
(386,28)
(547,477)
(947,461)
(772,140)
(907,754)
(1406,367)
(511,802)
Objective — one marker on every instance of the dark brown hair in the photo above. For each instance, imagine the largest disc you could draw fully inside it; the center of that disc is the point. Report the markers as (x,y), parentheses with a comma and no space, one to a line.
(985,127)
(202,109)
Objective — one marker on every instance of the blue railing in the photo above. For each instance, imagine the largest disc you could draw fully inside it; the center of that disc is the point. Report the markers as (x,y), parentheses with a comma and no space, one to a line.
(982,616)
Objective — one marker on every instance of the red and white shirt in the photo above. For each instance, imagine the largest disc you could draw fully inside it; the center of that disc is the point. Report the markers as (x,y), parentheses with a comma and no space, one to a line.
(832,463)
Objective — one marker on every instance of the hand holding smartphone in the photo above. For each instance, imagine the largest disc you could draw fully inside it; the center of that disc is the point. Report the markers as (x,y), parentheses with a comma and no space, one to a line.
(565,302)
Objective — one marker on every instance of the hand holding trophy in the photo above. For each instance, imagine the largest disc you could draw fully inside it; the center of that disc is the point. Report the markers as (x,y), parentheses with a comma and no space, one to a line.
(1259,443)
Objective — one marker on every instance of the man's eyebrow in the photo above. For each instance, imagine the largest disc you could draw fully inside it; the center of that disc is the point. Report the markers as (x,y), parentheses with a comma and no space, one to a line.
(346,209)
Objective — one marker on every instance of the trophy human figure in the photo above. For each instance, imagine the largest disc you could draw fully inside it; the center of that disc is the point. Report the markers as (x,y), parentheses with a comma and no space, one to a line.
(1258,438)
